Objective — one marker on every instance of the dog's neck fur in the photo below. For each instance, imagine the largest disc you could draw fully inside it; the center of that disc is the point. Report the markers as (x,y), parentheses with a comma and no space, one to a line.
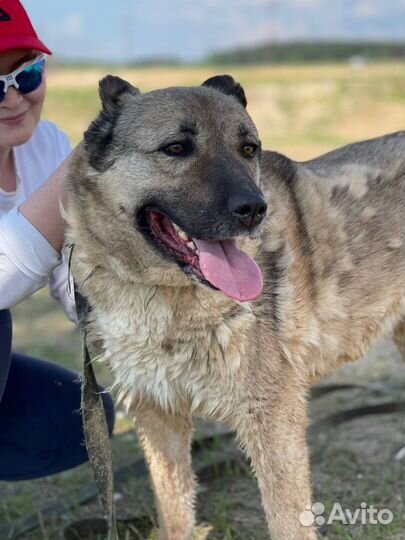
(162,342)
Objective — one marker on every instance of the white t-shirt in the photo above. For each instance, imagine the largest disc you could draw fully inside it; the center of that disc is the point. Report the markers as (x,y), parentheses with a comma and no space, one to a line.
(27,260)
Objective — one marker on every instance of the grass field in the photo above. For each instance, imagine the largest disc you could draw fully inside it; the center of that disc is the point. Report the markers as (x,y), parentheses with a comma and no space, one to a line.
(301,111)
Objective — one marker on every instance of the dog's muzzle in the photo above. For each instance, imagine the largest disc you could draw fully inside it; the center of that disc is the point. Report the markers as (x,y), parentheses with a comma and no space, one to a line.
(250,209)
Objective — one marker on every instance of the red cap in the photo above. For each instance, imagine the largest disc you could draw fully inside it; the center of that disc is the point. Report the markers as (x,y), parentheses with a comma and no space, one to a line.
(16,30)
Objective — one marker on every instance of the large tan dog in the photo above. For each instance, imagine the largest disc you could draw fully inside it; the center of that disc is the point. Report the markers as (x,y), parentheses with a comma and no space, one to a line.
(167,203)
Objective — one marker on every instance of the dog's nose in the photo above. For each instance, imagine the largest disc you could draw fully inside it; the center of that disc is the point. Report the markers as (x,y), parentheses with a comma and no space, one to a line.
(248,209)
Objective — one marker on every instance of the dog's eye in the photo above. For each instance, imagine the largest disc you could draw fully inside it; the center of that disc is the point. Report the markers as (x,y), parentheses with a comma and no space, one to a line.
(249,150)
(177,149)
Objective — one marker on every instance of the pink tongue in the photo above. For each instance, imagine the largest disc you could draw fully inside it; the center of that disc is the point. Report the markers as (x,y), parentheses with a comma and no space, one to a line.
(230,269)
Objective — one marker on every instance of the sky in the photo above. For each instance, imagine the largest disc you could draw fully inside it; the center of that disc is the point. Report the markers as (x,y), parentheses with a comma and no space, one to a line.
(119,30)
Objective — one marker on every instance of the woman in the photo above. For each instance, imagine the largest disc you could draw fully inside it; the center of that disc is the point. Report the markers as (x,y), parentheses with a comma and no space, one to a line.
(40,424)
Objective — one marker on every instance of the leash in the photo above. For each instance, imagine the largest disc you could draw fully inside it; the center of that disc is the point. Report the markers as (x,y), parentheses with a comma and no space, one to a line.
(98,442)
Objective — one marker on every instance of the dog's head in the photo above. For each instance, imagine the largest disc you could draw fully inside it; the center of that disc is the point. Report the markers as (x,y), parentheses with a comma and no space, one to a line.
(170,180)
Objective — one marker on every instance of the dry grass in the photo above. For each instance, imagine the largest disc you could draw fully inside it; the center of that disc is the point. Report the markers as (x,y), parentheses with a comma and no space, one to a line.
(299,110)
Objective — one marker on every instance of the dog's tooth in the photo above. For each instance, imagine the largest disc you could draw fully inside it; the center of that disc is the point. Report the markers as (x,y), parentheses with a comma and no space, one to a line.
(182,235)
(176,227)
(191,245)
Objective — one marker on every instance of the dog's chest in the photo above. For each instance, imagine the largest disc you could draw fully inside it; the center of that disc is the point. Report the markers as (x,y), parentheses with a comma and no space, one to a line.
(174,362)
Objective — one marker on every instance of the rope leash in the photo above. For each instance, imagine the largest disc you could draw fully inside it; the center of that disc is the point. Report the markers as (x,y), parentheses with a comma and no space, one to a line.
(98,442)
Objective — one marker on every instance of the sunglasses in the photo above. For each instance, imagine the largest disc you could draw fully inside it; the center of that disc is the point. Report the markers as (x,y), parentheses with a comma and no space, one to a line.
(25,78)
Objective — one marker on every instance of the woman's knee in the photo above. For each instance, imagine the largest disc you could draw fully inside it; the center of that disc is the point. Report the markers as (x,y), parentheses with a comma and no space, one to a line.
(40,417)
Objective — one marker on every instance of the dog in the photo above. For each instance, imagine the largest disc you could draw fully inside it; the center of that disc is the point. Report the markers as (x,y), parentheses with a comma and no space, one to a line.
(224,280)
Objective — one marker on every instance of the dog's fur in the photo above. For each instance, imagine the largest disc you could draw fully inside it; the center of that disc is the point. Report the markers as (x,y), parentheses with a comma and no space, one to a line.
(332,253)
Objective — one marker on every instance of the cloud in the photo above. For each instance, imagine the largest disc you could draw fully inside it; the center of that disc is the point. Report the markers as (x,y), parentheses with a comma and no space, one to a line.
(236,3)
(304,4)
(179,12)
(192,13)
(73,26)
(366,9)
(275,30)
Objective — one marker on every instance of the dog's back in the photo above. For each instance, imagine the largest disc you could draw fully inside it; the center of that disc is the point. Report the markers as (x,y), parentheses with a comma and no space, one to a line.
(336,227)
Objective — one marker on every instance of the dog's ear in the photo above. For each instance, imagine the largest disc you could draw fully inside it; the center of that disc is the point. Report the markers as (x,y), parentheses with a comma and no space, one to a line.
(111,89)
(98,136)
(227,85)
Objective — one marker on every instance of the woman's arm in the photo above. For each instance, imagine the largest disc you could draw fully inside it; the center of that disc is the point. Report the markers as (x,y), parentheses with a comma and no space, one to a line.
(42,209)
(31,239)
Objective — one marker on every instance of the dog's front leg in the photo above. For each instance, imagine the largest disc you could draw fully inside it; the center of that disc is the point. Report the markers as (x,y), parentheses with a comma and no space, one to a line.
(273,434)
(166,441)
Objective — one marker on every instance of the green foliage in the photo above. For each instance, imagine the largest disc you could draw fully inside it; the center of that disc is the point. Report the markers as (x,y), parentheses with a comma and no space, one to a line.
(300,52)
